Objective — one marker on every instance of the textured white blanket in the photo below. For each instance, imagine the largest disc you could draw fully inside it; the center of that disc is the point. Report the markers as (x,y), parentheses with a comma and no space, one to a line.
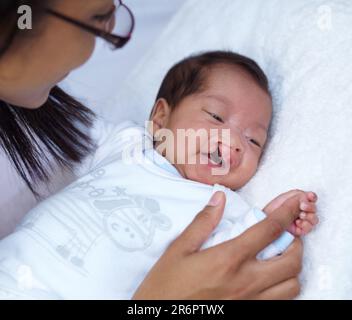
(305,47)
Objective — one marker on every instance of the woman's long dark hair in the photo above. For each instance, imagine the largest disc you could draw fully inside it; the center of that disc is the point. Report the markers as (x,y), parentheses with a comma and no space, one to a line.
(55,134)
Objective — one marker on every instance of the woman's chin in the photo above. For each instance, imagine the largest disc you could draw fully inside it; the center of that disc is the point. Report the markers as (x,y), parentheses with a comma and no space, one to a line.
(35,102)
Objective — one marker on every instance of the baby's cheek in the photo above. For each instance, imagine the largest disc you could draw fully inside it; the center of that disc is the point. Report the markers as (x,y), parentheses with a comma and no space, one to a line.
(195,173)
(250,166)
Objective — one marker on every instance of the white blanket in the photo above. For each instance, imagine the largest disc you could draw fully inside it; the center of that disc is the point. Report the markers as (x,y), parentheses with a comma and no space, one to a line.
(305,49)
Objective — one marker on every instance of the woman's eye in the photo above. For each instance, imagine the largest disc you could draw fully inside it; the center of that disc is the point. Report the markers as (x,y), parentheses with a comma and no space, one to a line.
(216,117)
(255,143)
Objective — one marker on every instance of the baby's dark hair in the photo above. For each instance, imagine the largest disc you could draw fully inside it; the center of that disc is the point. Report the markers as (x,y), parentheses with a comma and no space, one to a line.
(188,76)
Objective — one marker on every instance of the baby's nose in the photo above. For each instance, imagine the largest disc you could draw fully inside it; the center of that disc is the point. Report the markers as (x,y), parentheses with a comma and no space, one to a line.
(232,154)
(236,144)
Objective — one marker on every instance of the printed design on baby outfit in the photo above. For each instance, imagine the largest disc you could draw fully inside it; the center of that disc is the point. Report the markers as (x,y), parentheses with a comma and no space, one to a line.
(131,220)
(128,221)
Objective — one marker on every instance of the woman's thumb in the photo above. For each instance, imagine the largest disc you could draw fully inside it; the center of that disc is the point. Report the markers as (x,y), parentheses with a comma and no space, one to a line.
(193,237)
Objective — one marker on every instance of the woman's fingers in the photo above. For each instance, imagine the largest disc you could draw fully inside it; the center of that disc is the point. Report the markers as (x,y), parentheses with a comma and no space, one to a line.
(259,236)
(184,272)
(280,268)
(258,275)
(286,290)
(192,238)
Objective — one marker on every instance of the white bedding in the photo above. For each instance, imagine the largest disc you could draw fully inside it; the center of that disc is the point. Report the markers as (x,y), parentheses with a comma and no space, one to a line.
(305,49)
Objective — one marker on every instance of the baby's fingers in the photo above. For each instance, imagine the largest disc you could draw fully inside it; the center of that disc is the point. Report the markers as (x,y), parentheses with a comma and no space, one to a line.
(312,218)
(312,196)
(308,206)
(303,227)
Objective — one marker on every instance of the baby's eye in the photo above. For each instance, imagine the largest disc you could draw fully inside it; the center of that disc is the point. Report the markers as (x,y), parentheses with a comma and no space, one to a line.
(255,142)
(215,116)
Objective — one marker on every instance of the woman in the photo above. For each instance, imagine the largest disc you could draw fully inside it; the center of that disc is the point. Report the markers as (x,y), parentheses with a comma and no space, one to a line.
(41,127)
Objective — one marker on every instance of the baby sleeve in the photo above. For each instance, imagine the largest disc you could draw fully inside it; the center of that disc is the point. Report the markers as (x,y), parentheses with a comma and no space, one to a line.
(228,229)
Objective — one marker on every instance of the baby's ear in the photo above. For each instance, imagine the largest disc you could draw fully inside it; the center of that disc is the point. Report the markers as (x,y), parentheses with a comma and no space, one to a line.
(160,114)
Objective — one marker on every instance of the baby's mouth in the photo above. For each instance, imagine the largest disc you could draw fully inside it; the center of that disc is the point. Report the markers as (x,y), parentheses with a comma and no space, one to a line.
(215,157)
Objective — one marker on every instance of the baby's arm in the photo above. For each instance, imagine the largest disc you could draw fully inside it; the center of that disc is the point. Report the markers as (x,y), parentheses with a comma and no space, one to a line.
(231,229)
(307,219)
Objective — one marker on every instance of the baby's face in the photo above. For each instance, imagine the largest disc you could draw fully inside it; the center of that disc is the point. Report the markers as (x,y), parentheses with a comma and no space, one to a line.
(231,100)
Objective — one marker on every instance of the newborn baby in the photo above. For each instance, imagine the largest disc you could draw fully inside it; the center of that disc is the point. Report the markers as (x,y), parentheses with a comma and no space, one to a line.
(220,91)
(100,236)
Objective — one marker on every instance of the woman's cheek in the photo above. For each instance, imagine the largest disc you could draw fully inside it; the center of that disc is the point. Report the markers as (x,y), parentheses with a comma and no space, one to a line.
(83,50)
(89,51)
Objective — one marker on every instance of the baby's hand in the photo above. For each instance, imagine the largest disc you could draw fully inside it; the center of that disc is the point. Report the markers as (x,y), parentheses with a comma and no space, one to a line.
(307,219)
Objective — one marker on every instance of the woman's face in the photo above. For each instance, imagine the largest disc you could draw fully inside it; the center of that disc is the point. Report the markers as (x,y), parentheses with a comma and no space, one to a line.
(34,64)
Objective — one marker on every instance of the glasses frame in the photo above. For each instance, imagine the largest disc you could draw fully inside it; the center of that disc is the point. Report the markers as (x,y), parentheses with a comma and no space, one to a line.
(115,40)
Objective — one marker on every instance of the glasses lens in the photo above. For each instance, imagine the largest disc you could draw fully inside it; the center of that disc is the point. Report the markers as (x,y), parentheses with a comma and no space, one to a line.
(124,21)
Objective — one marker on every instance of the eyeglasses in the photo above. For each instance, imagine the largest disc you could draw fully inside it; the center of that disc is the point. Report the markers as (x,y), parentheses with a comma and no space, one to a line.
(120,18)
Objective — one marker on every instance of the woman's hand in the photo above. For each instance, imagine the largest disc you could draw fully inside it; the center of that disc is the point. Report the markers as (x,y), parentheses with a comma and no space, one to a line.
(229,270)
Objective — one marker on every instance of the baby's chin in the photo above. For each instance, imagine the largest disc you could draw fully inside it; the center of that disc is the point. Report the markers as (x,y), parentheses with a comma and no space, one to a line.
(203,174)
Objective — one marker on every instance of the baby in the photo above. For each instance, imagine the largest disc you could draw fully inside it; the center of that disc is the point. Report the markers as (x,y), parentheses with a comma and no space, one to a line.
(99,237)
(218,91)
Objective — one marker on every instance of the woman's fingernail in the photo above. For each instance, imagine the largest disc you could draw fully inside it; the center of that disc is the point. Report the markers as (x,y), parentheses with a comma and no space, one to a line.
(302,215)
(215,199)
